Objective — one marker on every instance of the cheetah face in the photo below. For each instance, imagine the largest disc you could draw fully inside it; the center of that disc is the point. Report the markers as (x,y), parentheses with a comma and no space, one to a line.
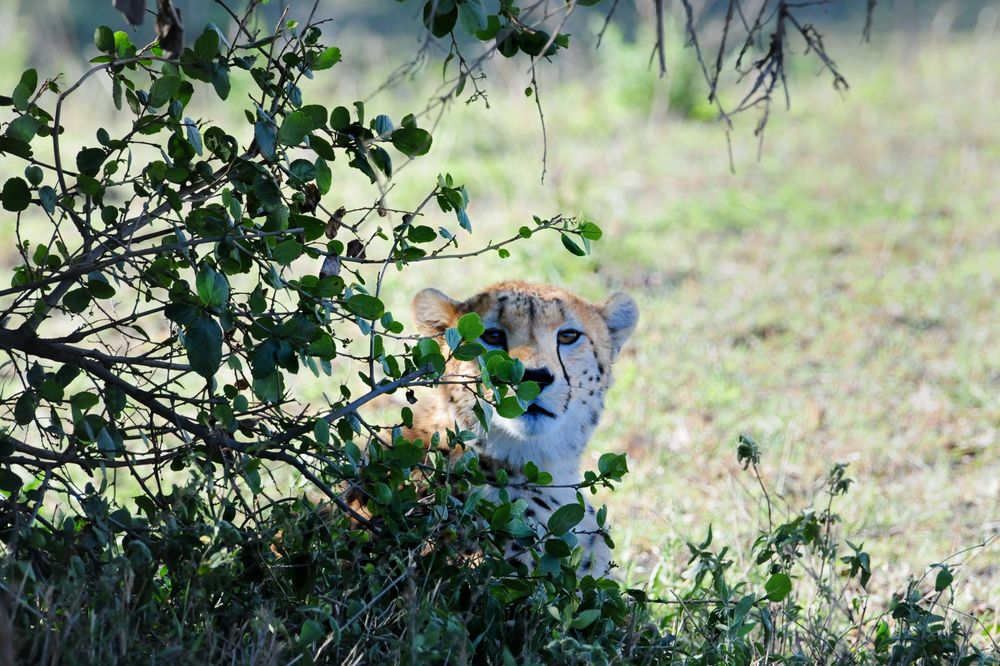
(567,346)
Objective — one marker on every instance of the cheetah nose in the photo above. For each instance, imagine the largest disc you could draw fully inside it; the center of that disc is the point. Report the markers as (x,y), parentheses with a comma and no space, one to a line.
(540,376)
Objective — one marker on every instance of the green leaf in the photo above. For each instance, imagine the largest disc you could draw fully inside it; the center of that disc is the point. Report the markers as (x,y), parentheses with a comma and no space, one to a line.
(533,42)
(324,176)
(571,245)
(220,80)
(365,306)
(311,632)
(445,15)
(23,128)
(327,59)
(47,195)
(266,137)
(213,289)
(303,170)
(778,586)
(380,158)
(412,141)
(11,146)
(528,391)
(269,388)
(472,16)
(294,128)
(76,301)
(206,46)
(122,42)
(105,443)
(99,287)
(565,518)
(24,90)
(203,342)
(321,431)
(557,548)
(104,39)
(943,579)
(16,195)
(421,234)
(510,408)
(585,618)
(340,118)
(471,326)
(163,89)
(89,160)
(114,399)
(382,125)
(193,135)
(316,113)
(24,408)
(613,465)
(83,400)
(591,231)
(9,480)
(34,174)
(287,251)
(469,350)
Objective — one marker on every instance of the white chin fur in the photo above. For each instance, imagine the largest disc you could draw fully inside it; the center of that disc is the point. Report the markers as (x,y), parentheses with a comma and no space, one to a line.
(525,427)
(551,443)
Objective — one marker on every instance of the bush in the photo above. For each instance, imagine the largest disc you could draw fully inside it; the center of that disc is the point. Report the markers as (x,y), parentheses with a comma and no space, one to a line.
(172,283)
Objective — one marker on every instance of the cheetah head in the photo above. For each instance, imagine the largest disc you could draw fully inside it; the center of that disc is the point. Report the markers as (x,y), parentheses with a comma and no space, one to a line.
(567,346)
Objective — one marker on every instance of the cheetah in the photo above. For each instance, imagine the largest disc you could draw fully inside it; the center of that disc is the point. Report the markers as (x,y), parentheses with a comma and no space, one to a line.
(568,346)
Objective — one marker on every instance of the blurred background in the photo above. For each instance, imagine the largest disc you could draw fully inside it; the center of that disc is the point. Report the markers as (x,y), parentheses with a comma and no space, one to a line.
(830,289)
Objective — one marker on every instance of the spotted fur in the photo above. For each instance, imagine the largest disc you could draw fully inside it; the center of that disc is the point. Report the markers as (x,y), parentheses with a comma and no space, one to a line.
(554,433)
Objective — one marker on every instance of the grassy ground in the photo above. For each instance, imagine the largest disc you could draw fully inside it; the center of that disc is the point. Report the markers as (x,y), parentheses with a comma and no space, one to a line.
(835,299)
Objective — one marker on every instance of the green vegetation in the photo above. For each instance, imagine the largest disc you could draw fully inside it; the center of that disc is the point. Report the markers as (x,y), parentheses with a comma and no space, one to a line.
(830,303)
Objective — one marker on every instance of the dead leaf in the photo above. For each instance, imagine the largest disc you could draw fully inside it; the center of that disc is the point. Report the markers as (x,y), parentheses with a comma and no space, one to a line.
(134,10)
(356,249)
(333,225)
(312,198)
(331,266)
(169,28)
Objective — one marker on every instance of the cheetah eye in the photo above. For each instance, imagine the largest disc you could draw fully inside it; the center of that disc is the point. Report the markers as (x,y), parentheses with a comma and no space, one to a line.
(494,337)
(568,336)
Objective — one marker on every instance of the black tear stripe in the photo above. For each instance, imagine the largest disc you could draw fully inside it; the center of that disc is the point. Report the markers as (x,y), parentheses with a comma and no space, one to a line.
(542,503)
(531,314)
(562,365)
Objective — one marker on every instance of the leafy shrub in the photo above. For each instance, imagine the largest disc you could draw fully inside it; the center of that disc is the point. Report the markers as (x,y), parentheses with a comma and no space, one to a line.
(175,276)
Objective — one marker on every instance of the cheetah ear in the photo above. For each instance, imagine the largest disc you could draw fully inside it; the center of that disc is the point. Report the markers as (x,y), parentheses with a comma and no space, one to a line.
(621,314)
(433,311)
